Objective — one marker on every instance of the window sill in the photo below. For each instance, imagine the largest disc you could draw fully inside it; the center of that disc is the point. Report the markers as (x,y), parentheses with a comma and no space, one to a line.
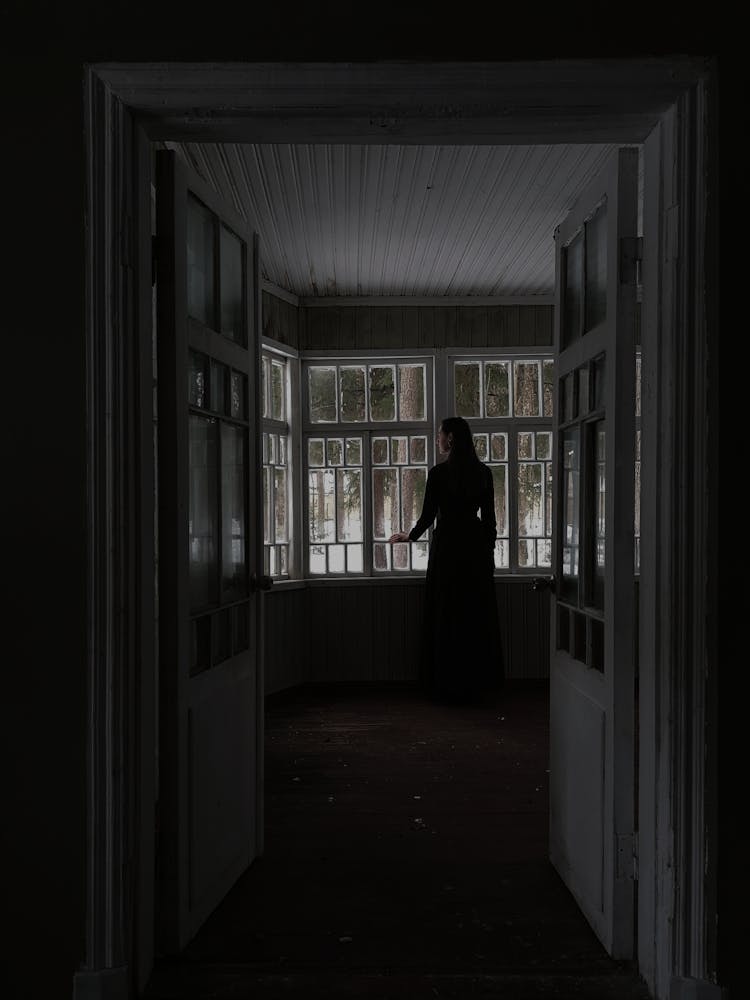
(369,581)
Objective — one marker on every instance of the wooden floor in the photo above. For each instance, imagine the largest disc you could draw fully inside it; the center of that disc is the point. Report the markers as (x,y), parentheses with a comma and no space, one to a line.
(406,856)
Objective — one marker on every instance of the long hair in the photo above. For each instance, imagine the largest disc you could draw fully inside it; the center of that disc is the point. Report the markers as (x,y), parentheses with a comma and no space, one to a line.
(466,470)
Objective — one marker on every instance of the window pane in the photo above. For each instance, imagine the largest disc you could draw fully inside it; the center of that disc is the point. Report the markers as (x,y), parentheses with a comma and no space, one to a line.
(317,558)
(571,466)
(526,552)
(382,393)
(572,259)
(278,401)
(413,482)
(219,392)
(201,241)
(237,402)
(266,373)
(354,556)
(401,556)
(281,458)
(203,511)
(526,388)
(569,409)
(496,389)
(419,555)
(380,451)
(411,392)
(354,451)
(418,449)
(233,507)
(283,560)
(335,450)
(544,444)
(499,447)
(280,502)
(500,480)
(336,559)
(385,502)
(198,380)
(530,499)
(525,444)
(381,556)
(502,554)
(267,501)
(599,512)
(596,268)
(321,500)
(271,448)
(316,452)
(232,312)
(480,446)
(322,383)
(548,378)
(352,394)
(468,403)
(349,505)
(399,451)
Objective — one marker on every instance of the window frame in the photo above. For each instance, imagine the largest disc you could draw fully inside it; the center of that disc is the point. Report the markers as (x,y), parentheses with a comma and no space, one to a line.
(268,425)
(365,429)
(510,425)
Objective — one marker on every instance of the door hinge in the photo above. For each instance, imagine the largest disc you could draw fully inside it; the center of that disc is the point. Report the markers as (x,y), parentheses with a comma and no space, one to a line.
(631,257)
(626,850)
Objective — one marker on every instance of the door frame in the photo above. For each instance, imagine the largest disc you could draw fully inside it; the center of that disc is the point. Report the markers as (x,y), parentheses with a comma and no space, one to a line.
(670,99)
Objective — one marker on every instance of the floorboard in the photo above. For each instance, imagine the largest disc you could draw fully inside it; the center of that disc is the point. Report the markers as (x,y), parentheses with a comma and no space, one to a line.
(406,856)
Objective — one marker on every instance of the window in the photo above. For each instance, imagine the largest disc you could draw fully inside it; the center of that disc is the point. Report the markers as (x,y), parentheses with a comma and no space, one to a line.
(507,401)
(277,486)
(368,431)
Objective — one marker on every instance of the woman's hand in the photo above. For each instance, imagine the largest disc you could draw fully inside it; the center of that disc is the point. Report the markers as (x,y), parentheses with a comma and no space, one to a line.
(399,536)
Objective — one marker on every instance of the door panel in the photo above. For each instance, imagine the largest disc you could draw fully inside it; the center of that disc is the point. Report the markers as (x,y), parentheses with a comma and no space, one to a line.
(210,547)
(592,622)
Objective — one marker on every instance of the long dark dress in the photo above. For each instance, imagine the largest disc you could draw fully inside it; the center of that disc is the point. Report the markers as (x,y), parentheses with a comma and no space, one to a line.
(461,652)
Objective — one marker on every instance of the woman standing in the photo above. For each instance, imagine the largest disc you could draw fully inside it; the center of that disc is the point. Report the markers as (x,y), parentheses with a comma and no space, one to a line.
(462,657)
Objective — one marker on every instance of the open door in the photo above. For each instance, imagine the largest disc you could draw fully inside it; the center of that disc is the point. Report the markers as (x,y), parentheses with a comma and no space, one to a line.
(592,835)
(210,552)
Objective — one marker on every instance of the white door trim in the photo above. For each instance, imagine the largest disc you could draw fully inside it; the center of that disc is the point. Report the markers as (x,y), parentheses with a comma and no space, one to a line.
(276,102)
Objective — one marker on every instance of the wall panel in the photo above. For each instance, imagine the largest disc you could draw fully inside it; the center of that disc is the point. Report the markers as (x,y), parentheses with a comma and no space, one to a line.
(366,327)
(373,632)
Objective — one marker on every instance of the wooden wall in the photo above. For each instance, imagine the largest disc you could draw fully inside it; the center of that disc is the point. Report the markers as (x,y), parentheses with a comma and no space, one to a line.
(372,631)
(374,327)
(368,327)
(280,320)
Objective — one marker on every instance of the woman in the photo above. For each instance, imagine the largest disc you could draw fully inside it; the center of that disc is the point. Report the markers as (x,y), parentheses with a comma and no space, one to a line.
(461,648)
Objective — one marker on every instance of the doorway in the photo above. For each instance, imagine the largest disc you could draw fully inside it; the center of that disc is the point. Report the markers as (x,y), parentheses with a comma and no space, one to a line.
(123,85)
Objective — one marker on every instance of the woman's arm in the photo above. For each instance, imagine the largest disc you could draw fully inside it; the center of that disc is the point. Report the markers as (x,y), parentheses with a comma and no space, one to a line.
(429,507)
(487,508)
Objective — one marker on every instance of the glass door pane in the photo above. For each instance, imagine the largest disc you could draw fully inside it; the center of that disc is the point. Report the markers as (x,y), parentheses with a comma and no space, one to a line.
(571,515)
(203,525)
(233,512)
